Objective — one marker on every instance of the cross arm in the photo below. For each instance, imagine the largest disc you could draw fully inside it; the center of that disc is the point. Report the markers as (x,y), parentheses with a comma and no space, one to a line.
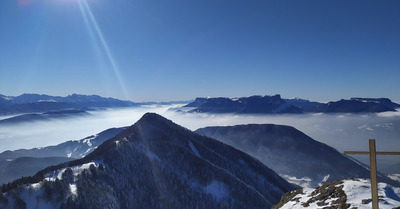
(367,153)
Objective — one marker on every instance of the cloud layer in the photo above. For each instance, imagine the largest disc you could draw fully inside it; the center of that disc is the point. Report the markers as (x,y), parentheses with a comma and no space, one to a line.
(341,131)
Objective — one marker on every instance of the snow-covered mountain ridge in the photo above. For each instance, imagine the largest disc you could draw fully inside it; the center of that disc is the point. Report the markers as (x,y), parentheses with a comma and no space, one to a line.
(26,162)
(154,164)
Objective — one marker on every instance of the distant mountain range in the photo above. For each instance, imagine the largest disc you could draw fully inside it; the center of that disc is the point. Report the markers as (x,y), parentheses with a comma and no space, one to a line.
(276,105)
(36,103)
(248,105)
(152,164)
(31,117)
(13,163)
(291,153)
(32,103)
(354,105)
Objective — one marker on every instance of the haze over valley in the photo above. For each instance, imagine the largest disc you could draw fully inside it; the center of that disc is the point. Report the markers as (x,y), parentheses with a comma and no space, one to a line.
(343,131)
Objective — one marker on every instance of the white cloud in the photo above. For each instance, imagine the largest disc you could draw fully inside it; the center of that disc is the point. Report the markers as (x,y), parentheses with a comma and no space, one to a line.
(389,114)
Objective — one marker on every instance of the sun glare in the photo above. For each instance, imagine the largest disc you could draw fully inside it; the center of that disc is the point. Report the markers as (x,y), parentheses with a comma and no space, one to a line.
(98,39)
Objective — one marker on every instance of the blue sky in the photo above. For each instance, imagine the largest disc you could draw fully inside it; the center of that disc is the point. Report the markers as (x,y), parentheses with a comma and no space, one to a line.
(156,50)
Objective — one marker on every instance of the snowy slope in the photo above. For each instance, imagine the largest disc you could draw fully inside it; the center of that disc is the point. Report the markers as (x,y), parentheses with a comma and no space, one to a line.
(70,149)
(349,193)
(26,162)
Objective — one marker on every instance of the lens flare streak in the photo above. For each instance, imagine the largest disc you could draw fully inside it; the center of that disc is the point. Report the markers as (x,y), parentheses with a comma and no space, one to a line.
(91,24)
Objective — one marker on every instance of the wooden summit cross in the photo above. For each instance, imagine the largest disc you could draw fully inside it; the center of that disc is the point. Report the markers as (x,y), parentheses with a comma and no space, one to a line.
(372,161)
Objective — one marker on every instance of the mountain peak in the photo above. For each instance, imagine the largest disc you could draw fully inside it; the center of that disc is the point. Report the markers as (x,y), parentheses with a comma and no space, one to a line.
(156,163)
(152,117)
(149,128)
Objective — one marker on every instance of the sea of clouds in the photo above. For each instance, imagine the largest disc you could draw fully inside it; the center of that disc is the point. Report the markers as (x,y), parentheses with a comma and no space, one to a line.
(341,131)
